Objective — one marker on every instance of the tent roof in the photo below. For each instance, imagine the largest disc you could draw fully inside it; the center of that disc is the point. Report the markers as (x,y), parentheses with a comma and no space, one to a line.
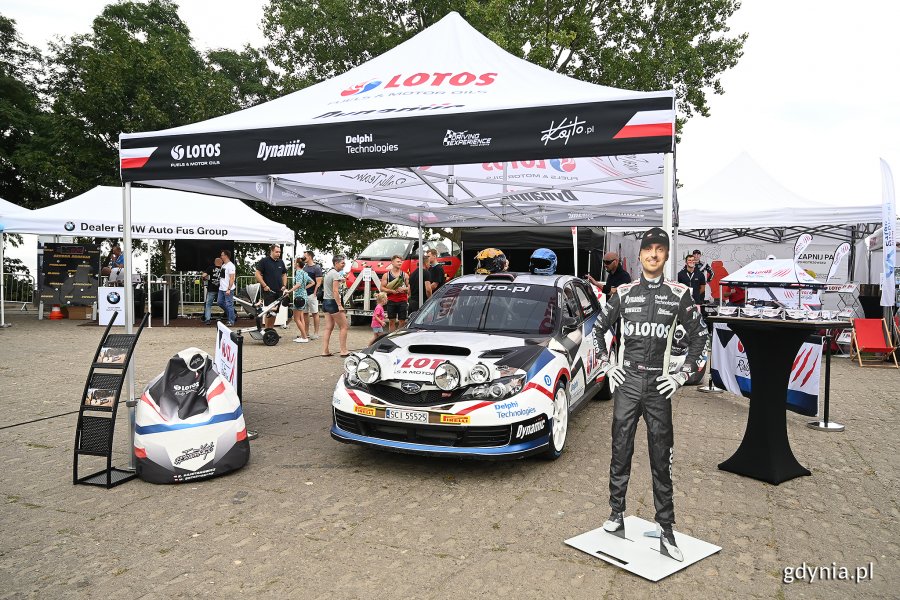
(8,208)
(156,214)
(370,142)
(743,195)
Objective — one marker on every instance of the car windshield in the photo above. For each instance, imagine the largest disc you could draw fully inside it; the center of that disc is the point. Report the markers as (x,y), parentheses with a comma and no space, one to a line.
(491,307)
(384,249)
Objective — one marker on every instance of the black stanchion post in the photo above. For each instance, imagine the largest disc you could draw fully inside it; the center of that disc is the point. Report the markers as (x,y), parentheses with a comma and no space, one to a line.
(710,388)
(825,424)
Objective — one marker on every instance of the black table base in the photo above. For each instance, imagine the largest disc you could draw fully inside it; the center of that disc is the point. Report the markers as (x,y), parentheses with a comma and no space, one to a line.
(765,452)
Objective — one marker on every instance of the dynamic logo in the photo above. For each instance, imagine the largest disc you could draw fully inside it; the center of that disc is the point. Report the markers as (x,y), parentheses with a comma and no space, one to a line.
(180,152)
(523,431)
(423,79)
(361,88)
(70,226)
(292,148)
(113,297)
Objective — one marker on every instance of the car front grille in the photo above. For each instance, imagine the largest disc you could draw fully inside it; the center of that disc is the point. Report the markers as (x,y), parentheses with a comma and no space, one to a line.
(398,397)
(433,435)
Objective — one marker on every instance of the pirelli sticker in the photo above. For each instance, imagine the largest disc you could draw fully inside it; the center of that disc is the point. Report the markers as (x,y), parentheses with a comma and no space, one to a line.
(455,419)
(369,411)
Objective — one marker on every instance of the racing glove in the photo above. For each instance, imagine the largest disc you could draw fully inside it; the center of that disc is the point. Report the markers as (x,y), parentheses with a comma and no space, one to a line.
(614,373)
(669,384)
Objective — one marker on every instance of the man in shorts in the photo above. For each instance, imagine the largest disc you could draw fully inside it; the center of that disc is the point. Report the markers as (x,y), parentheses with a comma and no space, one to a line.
(398,293)
(312,302)
(272,275)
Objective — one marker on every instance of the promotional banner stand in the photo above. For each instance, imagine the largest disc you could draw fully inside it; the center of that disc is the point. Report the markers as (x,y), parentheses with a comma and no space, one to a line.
(710,387)
(639,554)
(825,424)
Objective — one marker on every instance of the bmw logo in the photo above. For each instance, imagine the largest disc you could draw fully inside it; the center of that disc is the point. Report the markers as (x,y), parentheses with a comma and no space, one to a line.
(411,387)
(113,297)
(70,226)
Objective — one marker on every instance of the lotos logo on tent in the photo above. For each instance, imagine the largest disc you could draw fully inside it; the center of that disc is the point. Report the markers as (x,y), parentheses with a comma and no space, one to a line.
(424,79)
(180,152)
(361,88)
(563,165)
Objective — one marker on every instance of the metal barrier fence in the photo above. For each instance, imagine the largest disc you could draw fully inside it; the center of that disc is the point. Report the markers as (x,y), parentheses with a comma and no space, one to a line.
(18,290)
(192,290)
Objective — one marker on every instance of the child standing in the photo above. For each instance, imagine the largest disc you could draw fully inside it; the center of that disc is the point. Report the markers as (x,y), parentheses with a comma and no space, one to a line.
(378,317)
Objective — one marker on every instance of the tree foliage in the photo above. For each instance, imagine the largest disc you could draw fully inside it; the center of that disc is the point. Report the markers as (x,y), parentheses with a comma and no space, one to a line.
(634,44)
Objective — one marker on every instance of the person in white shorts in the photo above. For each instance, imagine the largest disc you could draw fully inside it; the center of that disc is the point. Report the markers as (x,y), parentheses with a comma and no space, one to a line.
(312,303)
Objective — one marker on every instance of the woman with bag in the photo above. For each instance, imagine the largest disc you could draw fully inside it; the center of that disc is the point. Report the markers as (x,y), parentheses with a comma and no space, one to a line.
(301,281)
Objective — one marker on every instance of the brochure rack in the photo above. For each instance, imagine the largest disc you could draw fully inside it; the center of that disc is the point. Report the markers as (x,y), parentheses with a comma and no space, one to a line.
(99,403)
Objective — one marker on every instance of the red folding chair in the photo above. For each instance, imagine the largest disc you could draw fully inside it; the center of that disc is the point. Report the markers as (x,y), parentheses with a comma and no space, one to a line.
(872,337)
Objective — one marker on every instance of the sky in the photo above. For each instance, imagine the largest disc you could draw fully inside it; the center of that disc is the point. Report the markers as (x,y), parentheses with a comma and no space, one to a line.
(815,99)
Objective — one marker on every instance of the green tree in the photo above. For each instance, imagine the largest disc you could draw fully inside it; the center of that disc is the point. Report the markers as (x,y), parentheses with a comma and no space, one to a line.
(633,44)
(21,112)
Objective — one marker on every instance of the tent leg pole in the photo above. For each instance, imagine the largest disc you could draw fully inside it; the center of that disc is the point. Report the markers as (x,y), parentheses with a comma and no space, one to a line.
(668,192)
(421,269)
(129,314)
(2,288)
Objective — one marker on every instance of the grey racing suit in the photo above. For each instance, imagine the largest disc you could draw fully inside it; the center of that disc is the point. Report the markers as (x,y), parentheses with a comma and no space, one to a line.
(649,313)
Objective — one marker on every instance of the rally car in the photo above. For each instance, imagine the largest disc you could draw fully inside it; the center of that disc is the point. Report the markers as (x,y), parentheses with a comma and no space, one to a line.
(490,367)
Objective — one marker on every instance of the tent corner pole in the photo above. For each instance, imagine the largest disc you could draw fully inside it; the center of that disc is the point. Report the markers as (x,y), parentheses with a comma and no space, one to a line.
(668,193)
(421,268)
(2,288)
(129,311)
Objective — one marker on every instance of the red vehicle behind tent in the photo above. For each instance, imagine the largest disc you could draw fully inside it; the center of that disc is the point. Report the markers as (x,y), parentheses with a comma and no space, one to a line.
(377,255)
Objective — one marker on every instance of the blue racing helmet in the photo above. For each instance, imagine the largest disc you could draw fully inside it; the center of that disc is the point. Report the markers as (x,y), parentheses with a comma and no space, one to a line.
(543,262)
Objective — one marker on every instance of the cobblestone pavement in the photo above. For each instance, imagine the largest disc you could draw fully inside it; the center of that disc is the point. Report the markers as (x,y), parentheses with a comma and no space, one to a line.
(314,518)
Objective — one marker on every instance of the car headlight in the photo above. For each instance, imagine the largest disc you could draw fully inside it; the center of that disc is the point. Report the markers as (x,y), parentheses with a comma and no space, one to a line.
(497,389)
(368,370)
(446,376)
(350,364)
(479,373)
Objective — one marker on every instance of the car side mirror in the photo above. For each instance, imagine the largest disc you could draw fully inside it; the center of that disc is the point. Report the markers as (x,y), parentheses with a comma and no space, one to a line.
(569,324)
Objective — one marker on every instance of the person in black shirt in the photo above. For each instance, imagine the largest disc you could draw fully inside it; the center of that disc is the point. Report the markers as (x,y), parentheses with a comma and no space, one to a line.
(693,278)
(414,303)
(704,268)
(212,277)
(615,274)
(437,276)
(272,275)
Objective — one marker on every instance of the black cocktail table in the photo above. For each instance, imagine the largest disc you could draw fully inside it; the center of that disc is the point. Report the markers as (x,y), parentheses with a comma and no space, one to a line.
(771,346)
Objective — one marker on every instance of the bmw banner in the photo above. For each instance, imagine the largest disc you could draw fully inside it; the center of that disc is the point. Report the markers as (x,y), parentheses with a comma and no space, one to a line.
(111,306)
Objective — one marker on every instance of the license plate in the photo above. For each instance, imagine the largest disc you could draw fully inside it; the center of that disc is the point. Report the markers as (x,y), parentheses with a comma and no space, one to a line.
(410,416)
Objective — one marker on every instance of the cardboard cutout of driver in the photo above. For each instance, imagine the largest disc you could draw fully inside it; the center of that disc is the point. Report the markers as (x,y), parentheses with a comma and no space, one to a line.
(648,310)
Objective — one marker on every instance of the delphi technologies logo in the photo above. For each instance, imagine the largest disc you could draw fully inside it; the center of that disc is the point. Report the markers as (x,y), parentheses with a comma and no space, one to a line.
(443,81)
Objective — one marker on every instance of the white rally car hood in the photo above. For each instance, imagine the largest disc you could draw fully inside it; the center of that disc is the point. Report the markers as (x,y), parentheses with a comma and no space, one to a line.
(414,354)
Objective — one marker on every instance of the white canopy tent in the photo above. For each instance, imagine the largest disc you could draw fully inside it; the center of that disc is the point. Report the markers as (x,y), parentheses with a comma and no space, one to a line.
(158,214)
(743,200)
(8,210)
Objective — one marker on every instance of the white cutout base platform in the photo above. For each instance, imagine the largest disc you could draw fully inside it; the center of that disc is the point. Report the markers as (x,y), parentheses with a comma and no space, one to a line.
(638,553)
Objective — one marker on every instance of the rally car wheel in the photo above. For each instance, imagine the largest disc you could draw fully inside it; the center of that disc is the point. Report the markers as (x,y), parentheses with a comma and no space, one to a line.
(270,337)
(559,422)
